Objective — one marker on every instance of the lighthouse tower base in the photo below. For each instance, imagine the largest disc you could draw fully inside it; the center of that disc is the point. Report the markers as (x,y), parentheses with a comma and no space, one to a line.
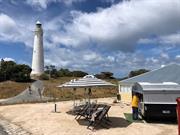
(35,76)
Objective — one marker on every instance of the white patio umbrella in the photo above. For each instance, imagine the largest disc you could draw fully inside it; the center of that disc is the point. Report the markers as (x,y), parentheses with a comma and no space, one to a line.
(87,81)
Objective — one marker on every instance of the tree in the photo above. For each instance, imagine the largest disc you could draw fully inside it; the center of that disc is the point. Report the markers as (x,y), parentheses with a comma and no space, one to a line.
(21,73)
(79,73)
(9,70)
(47,69)
(105,75)
(137,72)
(52,71)
(64,72)
(1,76)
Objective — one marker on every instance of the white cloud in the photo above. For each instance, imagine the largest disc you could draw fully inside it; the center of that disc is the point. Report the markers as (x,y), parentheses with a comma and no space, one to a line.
(111,58)
(8,59)
(118,27)
(94,62)
(90,57)
(152,60)
(69,2)
(164,55)
(171,39)
(147,41)
(39,3)
(8,27)
(111,1)
(23,62)
(11,31)
(7,24)
(105,40)
(177,57)
(123,24)
(42,4)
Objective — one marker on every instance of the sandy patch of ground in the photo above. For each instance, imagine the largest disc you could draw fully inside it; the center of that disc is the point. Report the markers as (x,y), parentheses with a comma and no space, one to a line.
(39,119)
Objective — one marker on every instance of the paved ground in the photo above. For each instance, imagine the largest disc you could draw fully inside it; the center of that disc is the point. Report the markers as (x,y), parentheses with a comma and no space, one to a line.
(2,132)
(39,119)
(8,128)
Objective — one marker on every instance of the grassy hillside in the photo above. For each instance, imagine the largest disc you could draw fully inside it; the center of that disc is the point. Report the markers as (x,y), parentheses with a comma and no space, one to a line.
(10,89)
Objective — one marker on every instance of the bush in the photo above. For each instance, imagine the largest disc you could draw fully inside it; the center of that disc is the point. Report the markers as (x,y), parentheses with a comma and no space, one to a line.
(20,77)
(21,73)
(44,76)
(9,70)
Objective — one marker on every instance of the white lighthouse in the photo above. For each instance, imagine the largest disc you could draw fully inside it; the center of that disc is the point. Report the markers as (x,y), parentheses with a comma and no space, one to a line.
(38,55)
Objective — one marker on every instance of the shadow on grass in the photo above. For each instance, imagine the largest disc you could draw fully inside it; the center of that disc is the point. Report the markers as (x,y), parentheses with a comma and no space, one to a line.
(116,122)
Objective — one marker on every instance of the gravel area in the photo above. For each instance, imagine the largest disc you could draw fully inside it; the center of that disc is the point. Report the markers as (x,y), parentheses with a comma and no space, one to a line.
(40,119)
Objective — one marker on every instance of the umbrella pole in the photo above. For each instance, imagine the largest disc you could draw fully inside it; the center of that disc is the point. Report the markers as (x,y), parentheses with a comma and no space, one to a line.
(85,95)
(74,89)
(89,94)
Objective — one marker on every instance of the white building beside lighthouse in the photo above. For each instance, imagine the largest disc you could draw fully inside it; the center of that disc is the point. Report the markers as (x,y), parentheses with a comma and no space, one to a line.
(38,52)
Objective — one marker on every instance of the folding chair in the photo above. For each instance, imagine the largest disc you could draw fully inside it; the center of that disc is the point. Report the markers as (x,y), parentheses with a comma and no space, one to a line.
(85,111)
(100,117)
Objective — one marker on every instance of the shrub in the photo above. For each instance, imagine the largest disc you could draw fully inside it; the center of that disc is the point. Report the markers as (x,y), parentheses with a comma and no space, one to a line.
(21,73)
(44,76)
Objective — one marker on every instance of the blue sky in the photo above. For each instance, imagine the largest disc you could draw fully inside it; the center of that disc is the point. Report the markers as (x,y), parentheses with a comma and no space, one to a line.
(93,35)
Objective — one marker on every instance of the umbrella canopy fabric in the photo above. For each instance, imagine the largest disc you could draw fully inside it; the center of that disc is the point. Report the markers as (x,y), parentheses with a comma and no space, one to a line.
(87,81)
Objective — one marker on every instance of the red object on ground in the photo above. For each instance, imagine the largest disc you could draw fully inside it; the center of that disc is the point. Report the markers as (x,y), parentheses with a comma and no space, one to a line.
(178,114)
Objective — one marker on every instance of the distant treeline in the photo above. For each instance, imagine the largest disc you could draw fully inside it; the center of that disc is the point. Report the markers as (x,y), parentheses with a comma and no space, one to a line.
(9,70)
(135,73)
(53,72)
